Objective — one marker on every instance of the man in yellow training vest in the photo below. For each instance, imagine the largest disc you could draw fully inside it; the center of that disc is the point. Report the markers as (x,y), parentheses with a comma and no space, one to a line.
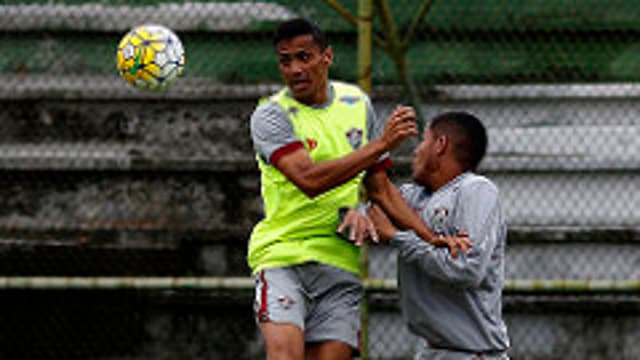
(317,141)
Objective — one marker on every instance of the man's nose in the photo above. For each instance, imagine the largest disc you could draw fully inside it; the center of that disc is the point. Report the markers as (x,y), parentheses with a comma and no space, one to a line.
(296,67)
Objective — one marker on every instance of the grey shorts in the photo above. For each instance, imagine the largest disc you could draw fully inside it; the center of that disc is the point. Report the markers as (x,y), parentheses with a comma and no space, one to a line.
(322,300)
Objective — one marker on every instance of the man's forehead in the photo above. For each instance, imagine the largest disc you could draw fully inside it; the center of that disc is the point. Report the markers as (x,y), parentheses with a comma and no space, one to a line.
(297,44)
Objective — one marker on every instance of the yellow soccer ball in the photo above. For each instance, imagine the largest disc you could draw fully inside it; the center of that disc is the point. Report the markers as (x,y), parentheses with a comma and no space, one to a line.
(150,57)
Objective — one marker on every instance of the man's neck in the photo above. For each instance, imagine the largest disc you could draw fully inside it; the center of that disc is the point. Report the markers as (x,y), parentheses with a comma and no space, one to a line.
(319,99)
(444,176)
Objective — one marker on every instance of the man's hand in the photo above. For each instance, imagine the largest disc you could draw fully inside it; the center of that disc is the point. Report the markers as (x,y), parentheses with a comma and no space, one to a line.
(386,230)
(383,226)
(357,228)
(400,125)
(460,241)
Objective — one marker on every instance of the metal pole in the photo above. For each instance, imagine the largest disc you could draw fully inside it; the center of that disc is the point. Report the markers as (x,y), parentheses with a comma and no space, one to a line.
(526,286)
(365,39)
(365,44)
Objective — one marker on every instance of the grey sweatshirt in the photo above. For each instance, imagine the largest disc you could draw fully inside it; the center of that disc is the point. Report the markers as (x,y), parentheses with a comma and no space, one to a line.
(455,303)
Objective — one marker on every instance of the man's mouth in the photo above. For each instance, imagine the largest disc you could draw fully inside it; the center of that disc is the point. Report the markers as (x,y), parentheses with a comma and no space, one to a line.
(298,85)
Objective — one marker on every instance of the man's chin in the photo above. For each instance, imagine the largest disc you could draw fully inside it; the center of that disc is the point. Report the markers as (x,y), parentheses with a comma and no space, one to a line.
(418,178)
(302,96)
(299,94)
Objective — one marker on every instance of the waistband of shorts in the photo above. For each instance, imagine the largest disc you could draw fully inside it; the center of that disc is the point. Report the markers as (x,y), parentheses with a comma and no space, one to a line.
(479,353)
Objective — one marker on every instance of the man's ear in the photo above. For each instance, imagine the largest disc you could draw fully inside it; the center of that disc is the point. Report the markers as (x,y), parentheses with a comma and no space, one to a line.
(442,142)
(328,55)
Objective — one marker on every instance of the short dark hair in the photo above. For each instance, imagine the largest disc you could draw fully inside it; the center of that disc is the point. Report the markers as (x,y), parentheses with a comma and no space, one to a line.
(300,26)
(468,134)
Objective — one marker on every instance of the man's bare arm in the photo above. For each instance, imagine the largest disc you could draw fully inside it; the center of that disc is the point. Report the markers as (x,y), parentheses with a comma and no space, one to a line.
(316,178)
(382,191)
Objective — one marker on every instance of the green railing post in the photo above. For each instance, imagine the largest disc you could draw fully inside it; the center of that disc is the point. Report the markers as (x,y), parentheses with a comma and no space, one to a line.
(365,44)
(365,39)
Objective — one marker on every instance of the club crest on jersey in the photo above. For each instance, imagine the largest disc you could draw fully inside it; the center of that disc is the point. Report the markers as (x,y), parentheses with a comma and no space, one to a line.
(349,99)
(354,136)
(438,220)
(285,302)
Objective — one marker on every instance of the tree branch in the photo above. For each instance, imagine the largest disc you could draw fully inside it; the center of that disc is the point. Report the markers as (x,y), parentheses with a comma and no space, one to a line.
(393,43)
(342,11)
(426,5)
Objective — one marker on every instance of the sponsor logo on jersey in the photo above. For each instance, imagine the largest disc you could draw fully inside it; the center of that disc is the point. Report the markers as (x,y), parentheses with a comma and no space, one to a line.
(354,136)
(349,99)
(311,144)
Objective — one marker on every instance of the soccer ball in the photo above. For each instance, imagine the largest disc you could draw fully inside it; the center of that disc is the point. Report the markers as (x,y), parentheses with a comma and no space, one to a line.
(150,57)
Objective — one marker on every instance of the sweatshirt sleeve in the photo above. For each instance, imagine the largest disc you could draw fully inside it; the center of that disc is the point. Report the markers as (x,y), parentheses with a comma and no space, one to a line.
(479,214)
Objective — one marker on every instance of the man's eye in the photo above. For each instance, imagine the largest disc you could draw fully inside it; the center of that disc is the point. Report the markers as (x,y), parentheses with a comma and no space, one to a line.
(284,61)
(304,57)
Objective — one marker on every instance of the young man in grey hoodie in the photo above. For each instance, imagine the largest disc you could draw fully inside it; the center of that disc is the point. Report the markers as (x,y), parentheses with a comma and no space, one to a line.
(453,304)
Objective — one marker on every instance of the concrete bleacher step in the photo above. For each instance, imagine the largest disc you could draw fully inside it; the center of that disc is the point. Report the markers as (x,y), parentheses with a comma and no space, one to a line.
(97,156)
(95,16)
(112,88)
(122,249)
(66,260)
(542,254)
(545,253)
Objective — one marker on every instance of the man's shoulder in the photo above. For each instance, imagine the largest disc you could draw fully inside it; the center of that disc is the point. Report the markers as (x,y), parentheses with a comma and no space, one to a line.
(268,116)
(348,88)
(266,105)
(272,98)
(473,182)
(476,179)
(410,189)
(410,185)
(268,108)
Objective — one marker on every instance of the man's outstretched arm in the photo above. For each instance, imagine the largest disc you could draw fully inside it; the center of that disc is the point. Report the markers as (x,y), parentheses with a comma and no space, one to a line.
(316,178)
(382,191)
